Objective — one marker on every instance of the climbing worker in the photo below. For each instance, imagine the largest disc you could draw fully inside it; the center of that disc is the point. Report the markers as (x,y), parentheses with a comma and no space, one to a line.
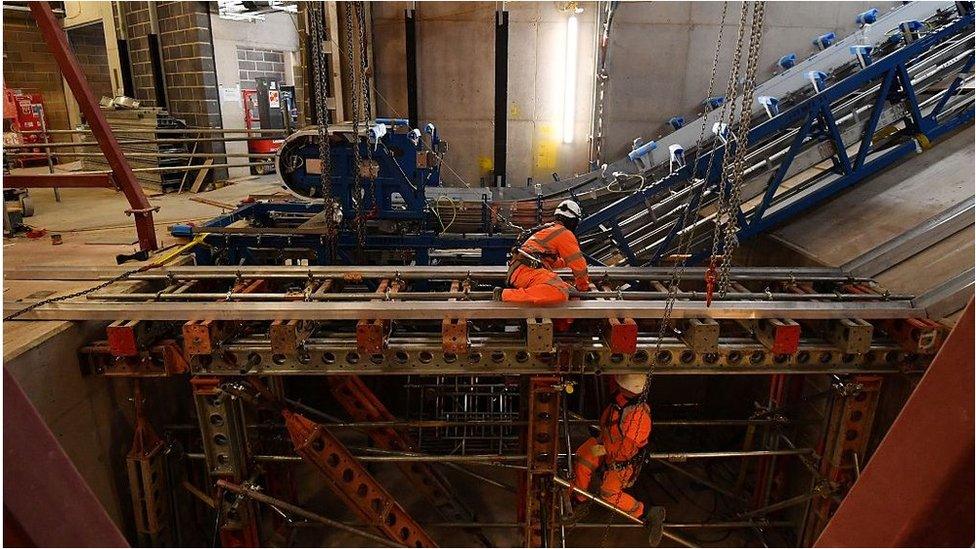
(615,456)
(531,276)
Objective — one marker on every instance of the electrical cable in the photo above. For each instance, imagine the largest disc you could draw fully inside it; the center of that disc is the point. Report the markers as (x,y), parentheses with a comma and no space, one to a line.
(454,210)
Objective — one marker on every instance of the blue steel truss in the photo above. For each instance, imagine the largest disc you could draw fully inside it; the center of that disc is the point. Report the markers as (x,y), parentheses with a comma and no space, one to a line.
(813,119)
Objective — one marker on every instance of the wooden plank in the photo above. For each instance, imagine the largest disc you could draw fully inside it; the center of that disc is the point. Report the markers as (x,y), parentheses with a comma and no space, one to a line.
(201,175)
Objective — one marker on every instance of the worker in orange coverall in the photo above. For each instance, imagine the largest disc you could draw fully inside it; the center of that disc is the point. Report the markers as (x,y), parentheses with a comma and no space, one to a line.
(531,276)
(614,457)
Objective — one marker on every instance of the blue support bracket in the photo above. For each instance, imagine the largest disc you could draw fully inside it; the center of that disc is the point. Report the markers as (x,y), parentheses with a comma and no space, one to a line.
(953,88)
(827,120)
(617,236)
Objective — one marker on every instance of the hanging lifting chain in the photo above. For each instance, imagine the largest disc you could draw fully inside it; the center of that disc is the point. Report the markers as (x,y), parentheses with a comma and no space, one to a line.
(685,238)
(364,68)
(355,100)
(316,16)
(731,240)
(367,106)
(728,116)
(602,77)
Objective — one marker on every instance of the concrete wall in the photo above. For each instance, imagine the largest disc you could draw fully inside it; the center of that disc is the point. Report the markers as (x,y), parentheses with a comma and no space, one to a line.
(660,59)
(277,32)
(456,52)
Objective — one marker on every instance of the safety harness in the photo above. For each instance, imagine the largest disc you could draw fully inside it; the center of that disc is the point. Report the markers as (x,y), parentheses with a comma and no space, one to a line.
(620,411)
(520,256)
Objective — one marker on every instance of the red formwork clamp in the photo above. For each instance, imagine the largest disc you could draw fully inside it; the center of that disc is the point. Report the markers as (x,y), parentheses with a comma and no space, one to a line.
(371,333)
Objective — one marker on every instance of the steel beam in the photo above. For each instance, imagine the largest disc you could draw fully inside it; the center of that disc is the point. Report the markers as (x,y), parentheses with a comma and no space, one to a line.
(43,491)
(917,490)
(123,175)
(950,296)
(352,483)
(907,244)
(398,310)
(408,272)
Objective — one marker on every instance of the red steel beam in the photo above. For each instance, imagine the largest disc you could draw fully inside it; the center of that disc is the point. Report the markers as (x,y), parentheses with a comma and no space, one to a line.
(42,489)
(57,42)
(81,180)
(352,483)
(917,490)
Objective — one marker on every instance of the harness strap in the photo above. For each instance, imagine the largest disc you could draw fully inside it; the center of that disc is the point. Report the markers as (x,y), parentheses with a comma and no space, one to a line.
(551,236)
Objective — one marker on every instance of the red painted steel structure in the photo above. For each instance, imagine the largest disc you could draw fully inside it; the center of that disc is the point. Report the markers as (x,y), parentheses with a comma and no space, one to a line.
(42,490)
(917,490)
(57,42)
(352,483)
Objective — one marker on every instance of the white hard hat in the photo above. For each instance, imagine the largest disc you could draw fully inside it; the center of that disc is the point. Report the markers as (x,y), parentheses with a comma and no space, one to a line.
(633,383)
(569,209)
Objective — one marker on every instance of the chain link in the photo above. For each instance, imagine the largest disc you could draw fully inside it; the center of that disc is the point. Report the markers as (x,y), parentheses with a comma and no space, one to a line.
(728,116)
(684,239)
(316,15)
(367,104)
(355,100)
(602,78)
(731,240)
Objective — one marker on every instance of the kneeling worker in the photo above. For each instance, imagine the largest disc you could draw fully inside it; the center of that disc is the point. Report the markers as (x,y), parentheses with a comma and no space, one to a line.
(531,276)
(614,457)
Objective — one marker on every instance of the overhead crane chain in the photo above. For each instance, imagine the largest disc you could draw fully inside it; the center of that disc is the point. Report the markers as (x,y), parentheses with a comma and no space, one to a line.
(603,76)
(726,118)
(354,98)
(685,239)
(316,16)
(690,213)
(367,104)
(733,205)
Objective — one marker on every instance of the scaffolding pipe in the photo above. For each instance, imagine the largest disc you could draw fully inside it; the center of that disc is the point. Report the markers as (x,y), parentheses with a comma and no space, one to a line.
(176,168)
(680,525)
(295,510)
(487,459)
(154,155)
(603,503)
(164,131)
(473,296)
(482,478)
(67,144)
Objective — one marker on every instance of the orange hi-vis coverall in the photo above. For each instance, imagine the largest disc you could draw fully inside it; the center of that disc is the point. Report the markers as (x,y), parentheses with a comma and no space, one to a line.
(624,430)
(555,247)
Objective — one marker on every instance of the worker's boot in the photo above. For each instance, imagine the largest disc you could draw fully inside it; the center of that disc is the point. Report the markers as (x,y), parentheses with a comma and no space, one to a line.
(496,294)
(654,521)
(579,511)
